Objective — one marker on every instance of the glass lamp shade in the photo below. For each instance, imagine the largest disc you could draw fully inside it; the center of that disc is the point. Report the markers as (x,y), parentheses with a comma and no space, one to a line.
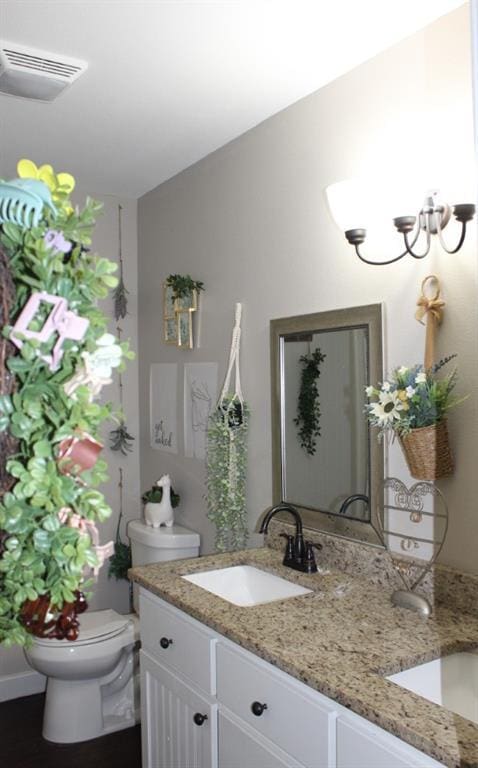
(349,204)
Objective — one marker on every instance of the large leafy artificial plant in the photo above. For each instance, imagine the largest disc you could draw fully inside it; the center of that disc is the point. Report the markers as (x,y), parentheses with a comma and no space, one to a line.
(47,514)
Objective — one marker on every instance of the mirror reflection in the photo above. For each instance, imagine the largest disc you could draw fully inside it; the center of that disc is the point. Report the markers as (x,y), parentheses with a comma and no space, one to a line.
(325,450)
(325,461)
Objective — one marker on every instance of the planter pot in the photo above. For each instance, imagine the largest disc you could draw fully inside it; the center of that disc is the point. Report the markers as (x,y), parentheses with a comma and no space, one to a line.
(158,513)
(78,454)
(427,452)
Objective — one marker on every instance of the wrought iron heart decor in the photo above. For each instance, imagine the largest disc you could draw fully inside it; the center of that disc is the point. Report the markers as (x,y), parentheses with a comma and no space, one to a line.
(413,531)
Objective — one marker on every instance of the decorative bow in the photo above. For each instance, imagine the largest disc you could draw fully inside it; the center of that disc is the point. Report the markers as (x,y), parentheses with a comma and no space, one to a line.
(430,307)
(434,305)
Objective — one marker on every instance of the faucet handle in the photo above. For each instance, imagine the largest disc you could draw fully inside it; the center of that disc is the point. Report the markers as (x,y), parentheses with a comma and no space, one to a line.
(317,546)
(289,549)
(310,564)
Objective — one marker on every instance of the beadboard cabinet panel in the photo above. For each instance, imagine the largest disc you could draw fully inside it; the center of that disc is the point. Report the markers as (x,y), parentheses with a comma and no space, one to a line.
(172,737)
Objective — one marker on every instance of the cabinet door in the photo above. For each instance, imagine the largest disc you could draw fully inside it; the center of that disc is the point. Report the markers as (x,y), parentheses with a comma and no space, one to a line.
(300,721)
(241,747)
(179,727)
(364,745)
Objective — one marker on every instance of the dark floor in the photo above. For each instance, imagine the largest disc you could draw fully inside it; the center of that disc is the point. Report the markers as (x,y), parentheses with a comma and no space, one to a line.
(22,745)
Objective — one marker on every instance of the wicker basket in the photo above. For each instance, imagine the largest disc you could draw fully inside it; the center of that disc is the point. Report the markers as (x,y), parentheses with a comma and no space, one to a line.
(427,452)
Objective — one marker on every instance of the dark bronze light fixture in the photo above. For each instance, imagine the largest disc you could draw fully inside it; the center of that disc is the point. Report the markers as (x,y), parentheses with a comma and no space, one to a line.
(417,230)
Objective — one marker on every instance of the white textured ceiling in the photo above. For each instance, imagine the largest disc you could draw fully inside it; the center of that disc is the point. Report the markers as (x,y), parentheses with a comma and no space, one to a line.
(170,81)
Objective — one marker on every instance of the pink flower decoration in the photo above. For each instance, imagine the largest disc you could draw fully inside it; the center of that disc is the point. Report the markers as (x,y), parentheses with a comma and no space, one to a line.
(56,241)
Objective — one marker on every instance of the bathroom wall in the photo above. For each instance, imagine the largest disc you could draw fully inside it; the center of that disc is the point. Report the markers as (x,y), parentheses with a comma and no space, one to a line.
(16,678)
(251,221)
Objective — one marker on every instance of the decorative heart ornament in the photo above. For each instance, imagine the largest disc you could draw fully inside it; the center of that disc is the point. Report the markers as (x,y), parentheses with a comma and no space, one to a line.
(413,528)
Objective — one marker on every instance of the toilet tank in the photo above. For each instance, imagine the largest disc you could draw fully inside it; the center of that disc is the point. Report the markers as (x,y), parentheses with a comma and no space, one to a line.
(158,545)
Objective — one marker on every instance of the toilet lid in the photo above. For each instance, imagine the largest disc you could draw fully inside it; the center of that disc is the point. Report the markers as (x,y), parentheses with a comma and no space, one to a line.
(94,626)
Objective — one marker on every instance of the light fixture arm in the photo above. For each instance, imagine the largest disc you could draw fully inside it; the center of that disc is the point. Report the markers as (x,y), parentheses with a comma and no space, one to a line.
(432,219)
(462,213)
(356,240)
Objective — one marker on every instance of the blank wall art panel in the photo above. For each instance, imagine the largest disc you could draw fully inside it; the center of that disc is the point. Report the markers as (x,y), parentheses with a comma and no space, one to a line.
(200,395)
(163,407)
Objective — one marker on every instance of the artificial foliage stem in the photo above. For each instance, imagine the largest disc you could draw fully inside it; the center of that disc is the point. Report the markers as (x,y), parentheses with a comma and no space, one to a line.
(44,518)
(308,406)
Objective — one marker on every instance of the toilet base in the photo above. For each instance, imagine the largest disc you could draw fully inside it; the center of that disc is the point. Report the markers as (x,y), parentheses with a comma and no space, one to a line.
(81,710)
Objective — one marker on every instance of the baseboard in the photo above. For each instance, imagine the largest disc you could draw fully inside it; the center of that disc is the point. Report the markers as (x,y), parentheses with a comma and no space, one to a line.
(21,684)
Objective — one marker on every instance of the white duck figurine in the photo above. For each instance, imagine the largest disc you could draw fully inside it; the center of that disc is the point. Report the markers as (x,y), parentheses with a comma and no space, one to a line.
(160,513)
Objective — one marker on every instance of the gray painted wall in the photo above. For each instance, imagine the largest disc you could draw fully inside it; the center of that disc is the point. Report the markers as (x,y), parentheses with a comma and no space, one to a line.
(251,221)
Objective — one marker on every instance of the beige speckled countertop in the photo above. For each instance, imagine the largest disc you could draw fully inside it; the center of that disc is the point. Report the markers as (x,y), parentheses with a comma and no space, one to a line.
(341,639)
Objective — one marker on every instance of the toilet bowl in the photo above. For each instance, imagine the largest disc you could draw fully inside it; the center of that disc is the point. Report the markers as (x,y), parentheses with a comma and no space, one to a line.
(92,685)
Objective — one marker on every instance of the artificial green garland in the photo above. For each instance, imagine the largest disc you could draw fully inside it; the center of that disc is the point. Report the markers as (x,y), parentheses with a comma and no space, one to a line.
(308,406)
(226,473)
(42,557)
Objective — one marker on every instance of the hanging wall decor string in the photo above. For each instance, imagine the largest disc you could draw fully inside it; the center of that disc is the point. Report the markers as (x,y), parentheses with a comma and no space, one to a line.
(120,561)
(120,292)
(227,456)
(120,439)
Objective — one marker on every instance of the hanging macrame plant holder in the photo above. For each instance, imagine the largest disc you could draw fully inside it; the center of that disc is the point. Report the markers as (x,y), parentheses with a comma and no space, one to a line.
(227,456)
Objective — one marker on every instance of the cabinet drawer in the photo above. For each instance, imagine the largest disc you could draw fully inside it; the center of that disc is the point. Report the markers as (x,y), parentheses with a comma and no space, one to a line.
(365,745)
(293,719)
(177,641)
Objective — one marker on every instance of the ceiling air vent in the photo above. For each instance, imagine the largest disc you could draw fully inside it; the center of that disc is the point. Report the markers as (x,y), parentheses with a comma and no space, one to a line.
(36,74)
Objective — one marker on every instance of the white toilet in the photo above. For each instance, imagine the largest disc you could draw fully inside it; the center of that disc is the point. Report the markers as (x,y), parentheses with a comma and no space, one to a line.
(91,681)
(158,545)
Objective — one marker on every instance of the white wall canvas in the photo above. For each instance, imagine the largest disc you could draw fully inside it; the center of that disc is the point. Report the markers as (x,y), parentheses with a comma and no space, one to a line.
(163,407)
(200,395)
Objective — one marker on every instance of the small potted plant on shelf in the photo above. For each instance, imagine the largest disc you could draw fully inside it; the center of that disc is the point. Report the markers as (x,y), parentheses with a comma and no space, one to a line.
(413,405)
(184,291)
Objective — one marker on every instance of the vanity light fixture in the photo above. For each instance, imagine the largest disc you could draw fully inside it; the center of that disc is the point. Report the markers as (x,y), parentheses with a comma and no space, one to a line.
(347,202)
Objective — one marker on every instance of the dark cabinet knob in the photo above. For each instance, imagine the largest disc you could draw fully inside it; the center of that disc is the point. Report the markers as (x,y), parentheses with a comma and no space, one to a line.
(165,643)
(199,718)
(257,708)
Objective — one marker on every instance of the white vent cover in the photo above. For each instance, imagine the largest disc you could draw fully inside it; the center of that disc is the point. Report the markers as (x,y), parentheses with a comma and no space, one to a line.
(36,74)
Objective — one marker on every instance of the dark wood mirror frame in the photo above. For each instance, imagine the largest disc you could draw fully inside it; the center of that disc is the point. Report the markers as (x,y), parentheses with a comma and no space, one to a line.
(369,316)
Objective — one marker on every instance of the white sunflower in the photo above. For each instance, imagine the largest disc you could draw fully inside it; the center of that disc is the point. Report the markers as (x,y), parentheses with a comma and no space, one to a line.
(387,409)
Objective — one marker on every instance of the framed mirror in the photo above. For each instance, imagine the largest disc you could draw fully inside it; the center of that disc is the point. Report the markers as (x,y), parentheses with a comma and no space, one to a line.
(325,460)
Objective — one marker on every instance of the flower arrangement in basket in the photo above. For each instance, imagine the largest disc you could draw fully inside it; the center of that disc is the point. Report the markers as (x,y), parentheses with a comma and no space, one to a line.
(413,404)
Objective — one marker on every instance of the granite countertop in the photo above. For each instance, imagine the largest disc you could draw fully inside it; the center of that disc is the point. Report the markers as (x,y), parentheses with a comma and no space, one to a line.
(341,640)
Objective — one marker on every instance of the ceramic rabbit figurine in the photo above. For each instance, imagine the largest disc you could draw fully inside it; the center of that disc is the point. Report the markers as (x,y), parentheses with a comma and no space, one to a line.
(159,513)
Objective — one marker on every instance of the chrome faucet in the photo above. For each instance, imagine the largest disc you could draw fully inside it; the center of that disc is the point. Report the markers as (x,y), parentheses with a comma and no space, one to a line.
(298,555)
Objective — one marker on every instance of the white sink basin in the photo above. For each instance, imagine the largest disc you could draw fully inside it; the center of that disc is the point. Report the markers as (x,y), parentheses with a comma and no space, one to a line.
(451,681)
(245,585)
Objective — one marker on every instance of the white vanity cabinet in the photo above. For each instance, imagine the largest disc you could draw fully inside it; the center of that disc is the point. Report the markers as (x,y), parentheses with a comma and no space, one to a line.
(178,706)
(207,703)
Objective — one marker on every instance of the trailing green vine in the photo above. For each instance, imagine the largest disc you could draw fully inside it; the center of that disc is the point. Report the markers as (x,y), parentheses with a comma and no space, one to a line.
(48,516)
(226,473)
(308,406)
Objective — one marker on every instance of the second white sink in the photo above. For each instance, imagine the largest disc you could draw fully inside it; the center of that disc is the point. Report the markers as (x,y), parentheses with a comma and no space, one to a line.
(451,681)
(245,585)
